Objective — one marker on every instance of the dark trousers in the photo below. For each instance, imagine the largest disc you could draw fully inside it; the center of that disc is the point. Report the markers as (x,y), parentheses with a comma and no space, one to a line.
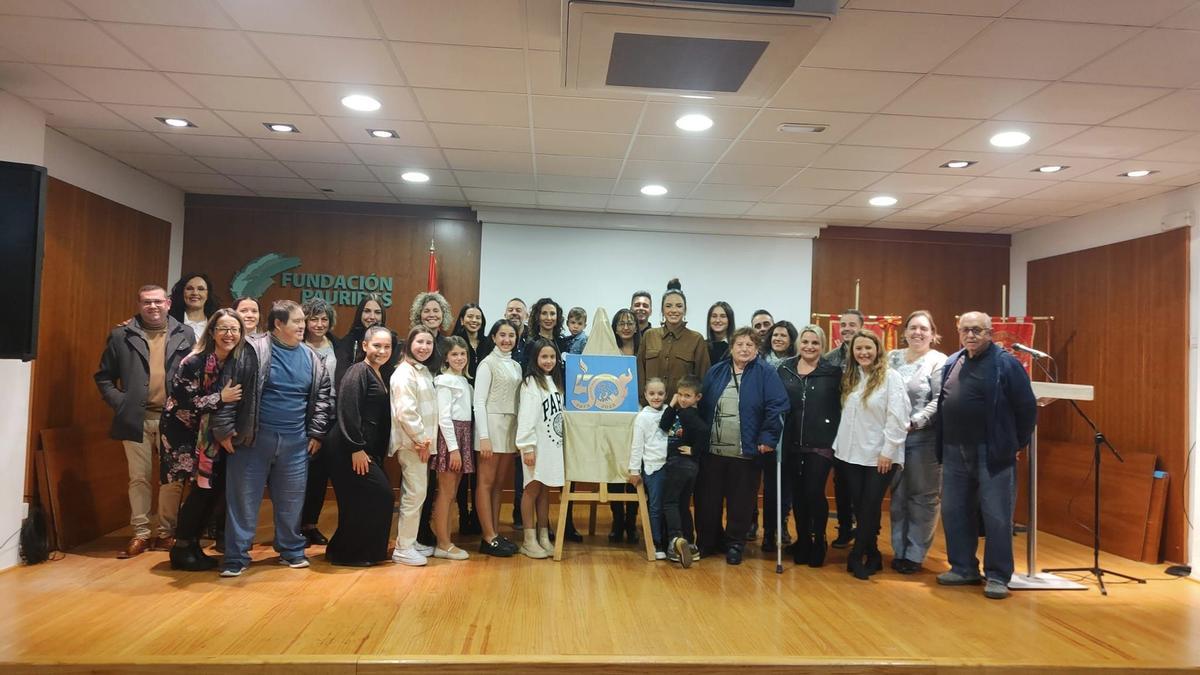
(364,513)
(314,489)
(197,510)
(518,487)
(808,473)
(842,499)
(867,488)
(729,483)
(624,514)
(425,533)
(767,464)
(678,484)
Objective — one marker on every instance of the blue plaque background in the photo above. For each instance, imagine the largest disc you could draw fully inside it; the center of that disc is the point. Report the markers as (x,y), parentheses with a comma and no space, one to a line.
(601,384)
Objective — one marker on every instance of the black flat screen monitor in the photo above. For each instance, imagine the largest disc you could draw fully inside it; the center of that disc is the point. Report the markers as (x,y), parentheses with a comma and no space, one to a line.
(22,213)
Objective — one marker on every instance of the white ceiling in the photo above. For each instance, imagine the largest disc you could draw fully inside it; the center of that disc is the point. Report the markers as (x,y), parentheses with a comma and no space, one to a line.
(471,87)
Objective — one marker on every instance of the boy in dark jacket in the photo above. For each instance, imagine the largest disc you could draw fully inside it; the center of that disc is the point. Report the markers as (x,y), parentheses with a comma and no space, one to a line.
(687,438)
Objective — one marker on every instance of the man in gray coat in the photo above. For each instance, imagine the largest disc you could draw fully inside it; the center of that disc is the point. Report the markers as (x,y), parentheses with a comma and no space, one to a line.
(134,376)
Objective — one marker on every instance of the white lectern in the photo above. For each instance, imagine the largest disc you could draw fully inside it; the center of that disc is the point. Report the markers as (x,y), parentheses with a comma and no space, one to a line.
(1032,580)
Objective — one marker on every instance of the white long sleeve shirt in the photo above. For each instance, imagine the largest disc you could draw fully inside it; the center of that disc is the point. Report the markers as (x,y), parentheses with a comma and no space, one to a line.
(496,382)
(649,442)
(875,426)
(454,405)
(414,407)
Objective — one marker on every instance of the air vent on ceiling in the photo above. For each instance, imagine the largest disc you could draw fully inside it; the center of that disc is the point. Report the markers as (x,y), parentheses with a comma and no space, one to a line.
(740,50)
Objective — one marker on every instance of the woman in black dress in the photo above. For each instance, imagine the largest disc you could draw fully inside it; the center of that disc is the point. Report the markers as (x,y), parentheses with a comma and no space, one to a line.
(359,445)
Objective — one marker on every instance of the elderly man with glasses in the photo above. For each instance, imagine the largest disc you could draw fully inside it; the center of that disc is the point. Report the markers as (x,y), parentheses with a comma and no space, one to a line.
(987,412)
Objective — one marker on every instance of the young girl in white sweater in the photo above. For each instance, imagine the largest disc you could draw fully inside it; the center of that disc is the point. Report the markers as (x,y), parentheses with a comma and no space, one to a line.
(540,442)
(455,444)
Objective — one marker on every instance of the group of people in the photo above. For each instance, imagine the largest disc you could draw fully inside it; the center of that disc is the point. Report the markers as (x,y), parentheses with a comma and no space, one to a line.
(232,409)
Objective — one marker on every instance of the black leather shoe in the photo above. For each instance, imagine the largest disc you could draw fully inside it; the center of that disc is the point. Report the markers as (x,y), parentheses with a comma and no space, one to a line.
(734,555)
(314,537)
(874,562)
(189,558)
(631,535)
(571,535)
(844,538)
(816,553)
(859,569)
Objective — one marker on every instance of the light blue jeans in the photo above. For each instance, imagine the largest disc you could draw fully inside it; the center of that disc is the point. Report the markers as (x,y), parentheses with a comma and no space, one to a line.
(654,503)
(916,495)
(280,463)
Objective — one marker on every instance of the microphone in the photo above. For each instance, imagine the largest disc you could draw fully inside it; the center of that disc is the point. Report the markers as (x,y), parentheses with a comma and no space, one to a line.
(1017,346)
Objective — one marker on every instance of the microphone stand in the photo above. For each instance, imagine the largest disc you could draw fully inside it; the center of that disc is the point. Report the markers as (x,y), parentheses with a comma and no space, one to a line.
(1099,440)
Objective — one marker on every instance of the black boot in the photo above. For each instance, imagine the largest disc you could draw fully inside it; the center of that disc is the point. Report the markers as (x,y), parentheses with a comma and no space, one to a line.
(189,558)
(816,552)
(800,550)
(768,545)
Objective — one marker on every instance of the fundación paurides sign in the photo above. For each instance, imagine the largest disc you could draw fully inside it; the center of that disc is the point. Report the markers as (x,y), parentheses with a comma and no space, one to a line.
(338,289)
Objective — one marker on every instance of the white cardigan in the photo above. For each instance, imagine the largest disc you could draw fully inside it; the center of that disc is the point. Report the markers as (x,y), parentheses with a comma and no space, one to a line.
(414,407)
(876,426)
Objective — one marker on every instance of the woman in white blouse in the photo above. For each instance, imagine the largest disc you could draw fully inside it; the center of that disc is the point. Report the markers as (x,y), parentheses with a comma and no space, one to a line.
(496,381)
(414,429)
(916,490)
(870,442)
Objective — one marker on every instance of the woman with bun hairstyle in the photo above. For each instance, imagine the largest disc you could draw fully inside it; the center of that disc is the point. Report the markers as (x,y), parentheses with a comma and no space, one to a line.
(672,350)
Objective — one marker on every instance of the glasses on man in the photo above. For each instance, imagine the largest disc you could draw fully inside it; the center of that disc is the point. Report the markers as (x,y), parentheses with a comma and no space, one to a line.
(972,330)
(154,303)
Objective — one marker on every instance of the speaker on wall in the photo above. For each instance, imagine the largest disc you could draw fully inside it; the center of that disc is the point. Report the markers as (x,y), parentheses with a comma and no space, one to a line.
(22,213)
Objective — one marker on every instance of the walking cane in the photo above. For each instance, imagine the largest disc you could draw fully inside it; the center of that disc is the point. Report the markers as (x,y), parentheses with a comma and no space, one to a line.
(779,509)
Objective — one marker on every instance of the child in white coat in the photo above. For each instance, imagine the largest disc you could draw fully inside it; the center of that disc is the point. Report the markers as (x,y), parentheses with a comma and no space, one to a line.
(647,457)
(540,442)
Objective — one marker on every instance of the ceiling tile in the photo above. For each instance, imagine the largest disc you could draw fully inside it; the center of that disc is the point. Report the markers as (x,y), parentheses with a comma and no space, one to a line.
(192,182)
(1166,173)
(1041,136)
(1187,150)
(1024,167)
(574,184)
(1156,58)
(841,90)
(643,204)
(702,207)
(731,193)
(1034,50)
(195,13)
(833,179)
(474,107)
(633,188)
(303,151)
(912,43)
(29,81)
(352,188)
(321,171)
(581,143)
(1188,19)
(215,146)
(987,220)
(123,86)
(959,203)
(1119,12)
(854,214)
(343,18)
(327,59)
(967,7)
(57,9)
(500,181)
(545,77)
(923,217)
(491,196)
(728,121)
(438,177)
(477,137)
(797,211)
(1116,142)
(496,23)
(248,167)
(638,169)
(379,199)
(1033,207)
(81,114)
(242,93)
(1079,191)
(582,114)
(287,194)
(900,131)
(779,154)
(354,130)
(985,162)
(422,192)
(952,96)
(156,164)
(479,160)
(460,67)
(396,103)
(796,194)
(115,142)
(193,50)
(405,157)
(278,185)
(1180,110)
(207,123)
(904,200)
(766,126)
(566,165)
(572,200)
(543,23)
(1080,103)
(725,173)
(998,187)
(705,150)
(920,183)
(64,42)
(311,127)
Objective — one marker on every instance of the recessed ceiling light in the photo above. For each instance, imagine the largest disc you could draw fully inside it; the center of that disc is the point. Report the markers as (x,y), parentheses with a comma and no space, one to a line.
(797,128)
(694,122)
(382,133)
(958,164)
(281,127)
(360,103)
(654,190)
(882,200)
(1010,139)
(414,177)
(1051,168)
(177,122)
(1137,173)
(697,96)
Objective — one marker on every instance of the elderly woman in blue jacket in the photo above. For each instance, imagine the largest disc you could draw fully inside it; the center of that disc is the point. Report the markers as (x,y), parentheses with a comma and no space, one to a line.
(744,401)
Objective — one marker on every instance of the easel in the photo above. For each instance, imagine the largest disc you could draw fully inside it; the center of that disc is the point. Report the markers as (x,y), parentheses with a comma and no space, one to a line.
(593,499)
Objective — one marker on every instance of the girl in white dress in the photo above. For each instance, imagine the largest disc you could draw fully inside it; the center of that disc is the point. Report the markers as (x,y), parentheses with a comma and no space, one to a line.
(540,441)
(496,381)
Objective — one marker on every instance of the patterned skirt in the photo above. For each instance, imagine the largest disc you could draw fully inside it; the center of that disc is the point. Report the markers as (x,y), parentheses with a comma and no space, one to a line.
(464,433)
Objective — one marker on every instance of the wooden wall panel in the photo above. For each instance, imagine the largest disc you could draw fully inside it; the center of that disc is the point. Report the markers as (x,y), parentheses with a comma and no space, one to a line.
(224,233)
(1121,324)
(98,253)
(946,273)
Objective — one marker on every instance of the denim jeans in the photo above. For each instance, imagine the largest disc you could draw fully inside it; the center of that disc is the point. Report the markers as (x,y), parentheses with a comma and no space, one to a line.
(916,493)
(280,463)
(968,490)
(654,504)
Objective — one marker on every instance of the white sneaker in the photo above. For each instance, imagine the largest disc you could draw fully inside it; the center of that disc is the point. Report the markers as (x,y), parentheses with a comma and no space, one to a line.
(453,553)
(534,551)
(424,550)
(409,556)
(660,555)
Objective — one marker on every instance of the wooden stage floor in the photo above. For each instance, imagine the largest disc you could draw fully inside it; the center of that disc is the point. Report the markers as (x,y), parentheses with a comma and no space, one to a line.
(603,609)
